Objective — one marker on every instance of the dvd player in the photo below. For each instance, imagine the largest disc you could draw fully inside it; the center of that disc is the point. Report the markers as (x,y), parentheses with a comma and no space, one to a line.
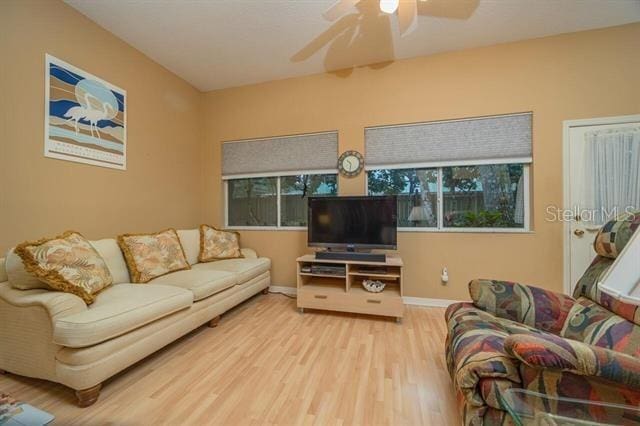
(328,269)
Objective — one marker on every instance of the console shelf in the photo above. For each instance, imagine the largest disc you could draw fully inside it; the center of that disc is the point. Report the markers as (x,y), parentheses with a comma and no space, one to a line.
(375,275)
(311,274)
(345,293)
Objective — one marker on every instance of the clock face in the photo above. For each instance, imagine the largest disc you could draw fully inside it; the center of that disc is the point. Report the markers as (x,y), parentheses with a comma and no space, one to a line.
(350,163)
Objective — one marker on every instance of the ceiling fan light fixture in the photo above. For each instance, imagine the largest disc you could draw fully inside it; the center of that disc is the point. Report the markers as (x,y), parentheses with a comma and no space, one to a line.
(389,6)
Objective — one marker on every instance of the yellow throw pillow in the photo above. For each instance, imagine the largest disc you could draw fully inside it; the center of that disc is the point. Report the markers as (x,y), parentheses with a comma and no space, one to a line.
(67,263)
(218,245)
(150,256)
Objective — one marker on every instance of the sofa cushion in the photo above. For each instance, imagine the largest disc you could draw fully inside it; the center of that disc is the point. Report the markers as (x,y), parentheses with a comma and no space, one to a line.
(67,263)
(190,240)
(202,283)
(149,256)
(112,255)
(533,306)
(117,310)
(587,286)
(475,349)
(245,269)
(615,234)
(18,277)
(595,325)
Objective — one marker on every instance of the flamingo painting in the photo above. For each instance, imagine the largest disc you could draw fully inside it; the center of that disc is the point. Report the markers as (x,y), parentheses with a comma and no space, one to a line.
(86,117)
(77,113)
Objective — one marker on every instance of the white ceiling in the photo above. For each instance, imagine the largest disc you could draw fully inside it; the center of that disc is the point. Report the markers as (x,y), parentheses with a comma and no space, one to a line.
(223,43)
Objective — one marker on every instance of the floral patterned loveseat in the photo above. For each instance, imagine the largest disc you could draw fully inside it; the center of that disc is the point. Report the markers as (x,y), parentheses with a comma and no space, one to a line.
(518,336)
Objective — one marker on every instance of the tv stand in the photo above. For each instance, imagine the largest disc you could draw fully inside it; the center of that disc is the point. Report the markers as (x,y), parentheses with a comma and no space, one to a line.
(351,255)
(345,293)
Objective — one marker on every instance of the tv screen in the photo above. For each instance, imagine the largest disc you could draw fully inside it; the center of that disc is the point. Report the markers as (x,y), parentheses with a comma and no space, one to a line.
(353,222)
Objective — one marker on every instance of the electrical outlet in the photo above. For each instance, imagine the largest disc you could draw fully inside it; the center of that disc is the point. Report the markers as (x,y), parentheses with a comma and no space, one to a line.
(445,276)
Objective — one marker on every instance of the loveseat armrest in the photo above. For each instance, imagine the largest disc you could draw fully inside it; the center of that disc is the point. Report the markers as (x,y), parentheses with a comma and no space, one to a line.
(249,253)
(536,307)
(572,356)
(58,304)
(3,270)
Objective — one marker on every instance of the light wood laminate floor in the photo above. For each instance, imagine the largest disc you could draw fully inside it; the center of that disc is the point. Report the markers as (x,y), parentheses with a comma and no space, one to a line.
(267,364)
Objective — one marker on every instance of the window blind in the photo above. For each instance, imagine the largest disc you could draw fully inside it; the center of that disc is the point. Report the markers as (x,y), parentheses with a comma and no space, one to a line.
(281,156)
(496,139)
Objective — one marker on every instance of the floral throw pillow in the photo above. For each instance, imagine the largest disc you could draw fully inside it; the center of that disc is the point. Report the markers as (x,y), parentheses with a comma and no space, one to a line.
(218,245)
(67,263)
(150,256)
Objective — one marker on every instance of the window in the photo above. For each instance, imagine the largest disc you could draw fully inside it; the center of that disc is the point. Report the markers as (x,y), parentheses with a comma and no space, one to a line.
(490,196)
(294,191)
(255,202)
(417,191)
(252,202)
(493,196)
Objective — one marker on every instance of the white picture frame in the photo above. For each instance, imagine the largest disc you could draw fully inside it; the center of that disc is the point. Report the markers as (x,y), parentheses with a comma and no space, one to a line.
(85,118)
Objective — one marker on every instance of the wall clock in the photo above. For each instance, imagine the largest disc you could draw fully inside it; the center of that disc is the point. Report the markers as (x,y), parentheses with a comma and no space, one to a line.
(350,163)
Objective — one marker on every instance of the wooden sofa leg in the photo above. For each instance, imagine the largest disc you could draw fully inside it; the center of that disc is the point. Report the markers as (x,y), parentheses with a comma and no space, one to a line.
(214,322)
(87,397)
(265,290)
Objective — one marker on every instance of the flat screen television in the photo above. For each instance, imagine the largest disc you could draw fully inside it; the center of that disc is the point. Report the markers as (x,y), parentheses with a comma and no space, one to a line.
(353,222)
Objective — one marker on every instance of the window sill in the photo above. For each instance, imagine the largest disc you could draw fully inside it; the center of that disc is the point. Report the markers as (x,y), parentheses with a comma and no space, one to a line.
(267,228)
(426,230)
(469,230)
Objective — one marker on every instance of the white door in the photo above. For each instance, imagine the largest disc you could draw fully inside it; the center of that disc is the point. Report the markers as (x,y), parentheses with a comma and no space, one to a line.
(600,158)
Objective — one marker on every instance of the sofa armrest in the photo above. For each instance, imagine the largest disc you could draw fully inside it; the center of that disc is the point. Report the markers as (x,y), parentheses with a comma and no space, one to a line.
(3,271)
(536,307)
(249,253)
(58,304)
(558,353)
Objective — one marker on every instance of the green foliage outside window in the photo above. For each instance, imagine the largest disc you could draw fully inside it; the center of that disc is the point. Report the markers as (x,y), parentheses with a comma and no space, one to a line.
(486,196)
(294,193)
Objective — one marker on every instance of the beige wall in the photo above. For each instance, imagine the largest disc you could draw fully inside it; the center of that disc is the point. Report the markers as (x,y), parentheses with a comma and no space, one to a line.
(173,179)
(573,76)
(40,196)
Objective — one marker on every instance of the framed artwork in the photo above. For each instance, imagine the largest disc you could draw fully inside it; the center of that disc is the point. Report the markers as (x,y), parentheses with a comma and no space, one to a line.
(85,117)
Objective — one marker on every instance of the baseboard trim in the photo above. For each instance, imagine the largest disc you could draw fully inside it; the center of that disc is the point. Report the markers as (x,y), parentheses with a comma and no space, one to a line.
(291,291)
(426,301)
(418,301)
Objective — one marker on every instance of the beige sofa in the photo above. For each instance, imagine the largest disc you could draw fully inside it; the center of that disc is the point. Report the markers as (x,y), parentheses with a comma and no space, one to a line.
(55,336)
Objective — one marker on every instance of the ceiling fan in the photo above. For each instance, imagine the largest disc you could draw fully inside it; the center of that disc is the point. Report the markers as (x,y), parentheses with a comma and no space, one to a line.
(408,10)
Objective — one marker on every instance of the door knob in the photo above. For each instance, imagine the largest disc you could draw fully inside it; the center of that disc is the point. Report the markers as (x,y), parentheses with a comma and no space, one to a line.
(578,232)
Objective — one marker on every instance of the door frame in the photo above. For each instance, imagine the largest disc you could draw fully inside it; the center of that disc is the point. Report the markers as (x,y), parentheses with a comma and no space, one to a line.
(567,125)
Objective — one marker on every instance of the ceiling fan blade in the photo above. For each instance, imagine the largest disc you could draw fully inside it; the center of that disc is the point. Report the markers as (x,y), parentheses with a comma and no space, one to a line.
(407,16)
(338,9)
(454,9)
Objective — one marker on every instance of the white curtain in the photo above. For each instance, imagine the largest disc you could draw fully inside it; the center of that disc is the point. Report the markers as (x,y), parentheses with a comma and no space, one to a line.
(611,172)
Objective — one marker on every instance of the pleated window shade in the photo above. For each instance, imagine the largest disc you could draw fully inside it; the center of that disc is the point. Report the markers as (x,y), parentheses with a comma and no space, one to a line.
(482,140)
(280,156)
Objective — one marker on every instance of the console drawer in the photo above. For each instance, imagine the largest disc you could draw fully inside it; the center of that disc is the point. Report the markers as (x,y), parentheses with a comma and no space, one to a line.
(377,304)
(360,302)
(318,298)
